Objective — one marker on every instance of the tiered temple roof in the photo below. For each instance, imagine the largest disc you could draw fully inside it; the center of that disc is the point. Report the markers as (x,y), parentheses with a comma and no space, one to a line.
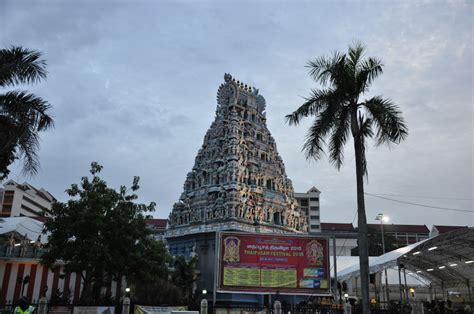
(238,175)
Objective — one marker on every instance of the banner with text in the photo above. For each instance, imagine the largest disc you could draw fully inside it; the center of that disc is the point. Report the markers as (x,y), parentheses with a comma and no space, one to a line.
(286,264)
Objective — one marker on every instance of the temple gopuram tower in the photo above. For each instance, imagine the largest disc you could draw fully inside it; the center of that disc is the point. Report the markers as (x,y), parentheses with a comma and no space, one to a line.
(238,181)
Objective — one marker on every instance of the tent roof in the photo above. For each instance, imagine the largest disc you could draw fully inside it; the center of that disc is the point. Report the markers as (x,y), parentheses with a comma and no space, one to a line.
(447,258)
(344,262)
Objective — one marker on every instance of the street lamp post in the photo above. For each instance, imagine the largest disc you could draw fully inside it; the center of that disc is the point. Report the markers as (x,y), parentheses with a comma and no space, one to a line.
(383,219)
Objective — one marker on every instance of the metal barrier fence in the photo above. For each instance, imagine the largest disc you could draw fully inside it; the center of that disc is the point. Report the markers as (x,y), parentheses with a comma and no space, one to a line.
(285,309)
(245,308)
(30,252)
(54,308)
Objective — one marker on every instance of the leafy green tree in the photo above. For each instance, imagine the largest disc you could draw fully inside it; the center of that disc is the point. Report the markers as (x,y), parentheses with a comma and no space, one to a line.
(339,112)
(100,233)
(22,114)
(184,276)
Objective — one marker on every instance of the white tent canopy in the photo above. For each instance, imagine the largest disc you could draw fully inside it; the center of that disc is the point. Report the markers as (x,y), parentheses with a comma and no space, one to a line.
(446,258)
(377,264)
(350,263)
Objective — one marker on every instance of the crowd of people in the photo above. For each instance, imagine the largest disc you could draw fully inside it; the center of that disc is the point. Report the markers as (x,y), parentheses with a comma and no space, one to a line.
(446,307)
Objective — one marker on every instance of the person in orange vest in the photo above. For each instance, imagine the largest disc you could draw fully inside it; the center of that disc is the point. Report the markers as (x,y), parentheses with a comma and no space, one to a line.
(24,307)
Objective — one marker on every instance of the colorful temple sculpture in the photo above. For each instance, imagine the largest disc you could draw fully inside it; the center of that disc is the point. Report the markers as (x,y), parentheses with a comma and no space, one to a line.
(238,180)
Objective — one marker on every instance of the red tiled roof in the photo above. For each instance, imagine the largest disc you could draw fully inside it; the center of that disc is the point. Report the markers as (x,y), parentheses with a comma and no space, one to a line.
(25,186)
(329,226)
(401,228)
(444,229)
(158,223)
(41,194)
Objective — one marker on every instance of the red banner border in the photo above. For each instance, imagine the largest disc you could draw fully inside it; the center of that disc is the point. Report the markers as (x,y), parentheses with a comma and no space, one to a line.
(251,290)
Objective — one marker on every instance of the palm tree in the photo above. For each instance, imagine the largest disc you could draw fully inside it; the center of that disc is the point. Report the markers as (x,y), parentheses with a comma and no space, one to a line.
(339,112)
(22,114)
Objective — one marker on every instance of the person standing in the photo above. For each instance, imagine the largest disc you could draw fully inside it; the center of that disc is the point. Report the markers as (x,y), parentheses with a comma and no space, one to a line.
(24,246)
(37,246)
(24,307)
(10,245)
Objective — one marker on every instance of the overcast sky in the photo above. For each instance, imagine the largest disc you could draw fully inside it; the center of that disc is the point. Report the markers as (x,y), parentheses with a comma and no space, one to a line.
(133,85)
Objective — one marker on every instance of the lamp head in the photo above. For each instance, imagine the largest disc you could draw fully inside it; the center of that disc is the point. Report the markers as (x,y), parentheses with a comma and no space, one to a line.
(382,217)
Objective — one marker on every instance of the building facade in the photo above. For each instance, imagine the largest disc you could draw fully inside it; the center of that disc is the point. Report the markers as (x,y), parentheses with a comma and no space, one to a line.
(440,229)
(157,227)
(404,234)
(25,200)
(345,236)
(309,206)
(21,242)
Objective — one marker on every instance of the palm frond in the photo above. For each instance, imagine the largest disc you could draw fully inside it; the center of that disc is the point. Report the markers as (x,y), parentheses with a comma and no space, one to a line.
(21,66)
(323,69)
(369,70)
(318,101)
(355,53)
(314,142)
(365,126)
(347,77)
(389,123)
(28,145)
(22,116)
(24,108)
(339,137)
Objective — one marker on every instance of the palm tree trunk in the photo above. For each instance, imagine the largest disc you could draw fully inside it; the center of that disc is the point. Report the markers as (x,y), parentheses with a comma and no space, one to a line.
(362,220)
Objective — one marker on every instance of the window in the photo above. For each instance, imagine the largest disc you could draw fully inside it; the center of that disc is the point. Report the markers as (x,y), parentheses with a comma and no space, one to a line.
(314,199)
(277,218)
(304,202)
(314,208)
(30,210)
(8,199)
(314,217)
(6,209)
(314,226)
(269,184)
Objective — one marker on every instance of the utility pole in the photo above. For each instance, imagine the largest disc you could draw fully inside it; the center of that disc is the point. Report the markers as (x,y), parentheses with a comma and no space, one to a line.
(383,218)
